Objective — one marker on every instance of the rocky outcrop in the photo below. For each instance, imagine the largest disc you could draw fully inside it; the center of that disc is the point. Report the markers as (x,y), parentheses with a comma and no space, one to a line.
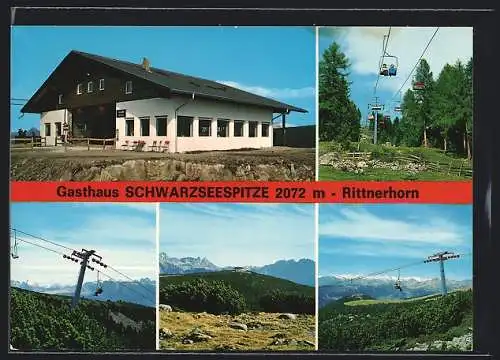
(459,343)
(358,166)
(59,169)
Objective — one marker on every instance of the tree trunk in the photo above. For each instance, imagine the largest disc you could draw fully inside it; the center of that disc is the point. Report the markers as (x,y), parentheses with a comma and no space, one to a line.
(445,143)
(425,136)
(465,140)
(469,151)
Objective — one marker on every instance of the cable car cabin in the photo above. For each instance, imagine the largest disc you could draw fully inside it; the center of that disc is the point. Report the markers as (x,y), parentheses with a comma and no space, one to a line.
(371,117)
(419,85)
(397,109)
(387,118)
(397,286)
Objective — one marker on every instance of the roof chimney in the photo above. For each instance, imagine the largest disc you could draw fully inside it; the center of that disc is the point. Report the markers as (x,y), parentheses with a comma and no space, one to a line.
(146,64)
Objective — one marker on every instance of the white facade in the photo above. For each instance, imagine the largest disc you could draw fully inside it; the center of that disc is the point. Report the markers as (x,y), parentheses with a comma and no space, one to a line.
(51,125)
(202,112)
(160,112)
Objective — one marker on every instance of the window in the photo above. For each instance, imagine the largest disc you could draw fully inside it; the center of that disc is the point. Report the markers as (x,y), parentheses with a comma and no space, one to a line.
(252,128)
(47,129)
(205,127)
(101,84)
(265,130)
(128,87)
(238,128)
(58,129)
(144,126)
(129,127)
(59,100)
(184,126)
(161,126)
(90,86)
(222,128)
(79,89)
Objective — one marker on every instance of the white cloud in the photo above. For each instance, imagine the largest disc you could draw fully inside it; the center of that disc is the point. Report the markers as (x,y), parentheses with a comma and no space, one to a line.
(248,235)
(274,93)
(362,225)
(363,47)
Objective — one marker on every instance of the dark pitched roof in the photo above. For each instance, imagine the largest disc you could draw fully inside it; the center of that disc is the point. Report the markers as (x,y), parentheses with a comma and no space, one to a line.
(184,84)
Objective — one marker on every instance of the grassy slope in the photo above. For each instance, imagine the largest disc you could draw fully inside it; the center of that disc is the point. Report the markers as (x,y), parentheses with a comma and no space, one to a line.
(387,301)
(43,321)
(426,154)
(250,285)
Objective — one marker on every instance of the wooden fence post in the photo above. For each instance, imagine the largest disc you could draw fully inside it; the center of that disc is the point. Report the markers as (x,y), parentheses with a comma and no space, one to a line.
(460,170)
(104,144)
(32,143)
(88,144)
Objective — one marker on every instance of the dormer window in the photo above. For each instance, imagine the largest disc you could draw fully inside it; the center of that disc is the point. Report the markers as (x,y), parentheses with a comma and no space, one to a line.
(128,87)
(90,86)
(101,84)
(59,101)
(79,89)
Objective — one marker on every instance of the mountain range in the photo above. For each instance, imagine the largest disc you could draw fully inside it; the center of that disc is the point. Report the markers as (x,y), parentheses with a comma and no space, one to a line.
(142,292)
(299,271)
(332,288)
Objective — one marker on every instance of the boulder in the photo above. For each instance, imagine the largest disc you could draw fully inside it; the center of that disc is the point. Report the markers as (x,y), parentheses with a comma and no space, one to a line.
(237,325)
(287,316)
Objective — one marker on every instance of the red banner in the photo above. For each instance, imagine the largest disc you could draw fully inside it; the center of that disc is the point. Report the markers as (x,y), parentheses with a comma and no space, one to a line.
(459,192)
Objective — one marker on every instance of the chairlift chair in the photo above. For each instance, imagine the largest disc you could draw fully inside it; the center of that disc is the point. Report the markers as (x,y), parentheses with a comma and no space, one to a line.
(397,284)
(13,252)
(392,69)
(98,289)
(418,85)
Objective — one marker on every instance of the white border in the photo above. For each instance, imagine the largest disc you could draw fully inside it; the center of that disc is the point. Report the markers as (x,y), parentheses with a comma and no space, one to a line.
(316,205)
(157,272)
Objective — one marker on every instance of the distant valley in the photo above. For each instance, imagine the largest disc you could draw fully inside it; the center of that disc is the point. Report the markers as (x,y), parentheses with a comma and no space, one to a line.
(332,288)
(141,292)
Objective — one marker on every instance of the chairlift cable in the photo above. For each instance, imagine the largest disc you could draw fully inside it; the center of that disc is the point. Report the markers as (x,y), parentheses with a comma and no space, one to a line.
(416,64)
(40,246)
(43,239)
(384,50)
(126,286)
(398,268)
(129,278)
(59,253)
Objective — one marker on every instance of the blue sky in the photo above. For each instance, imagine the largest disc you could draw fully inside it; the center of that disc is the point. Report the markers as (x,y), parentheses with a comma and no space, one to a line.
(363,239)
(238,234)
(363,47)
(277,62)
(123,234)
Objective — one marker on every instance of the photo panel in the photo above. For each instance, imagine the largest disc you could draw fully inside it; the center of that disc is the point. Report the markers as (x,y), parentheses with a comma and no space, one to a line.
(237,277)
(395,103)
(212,103)
(82,277)
(395,278)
